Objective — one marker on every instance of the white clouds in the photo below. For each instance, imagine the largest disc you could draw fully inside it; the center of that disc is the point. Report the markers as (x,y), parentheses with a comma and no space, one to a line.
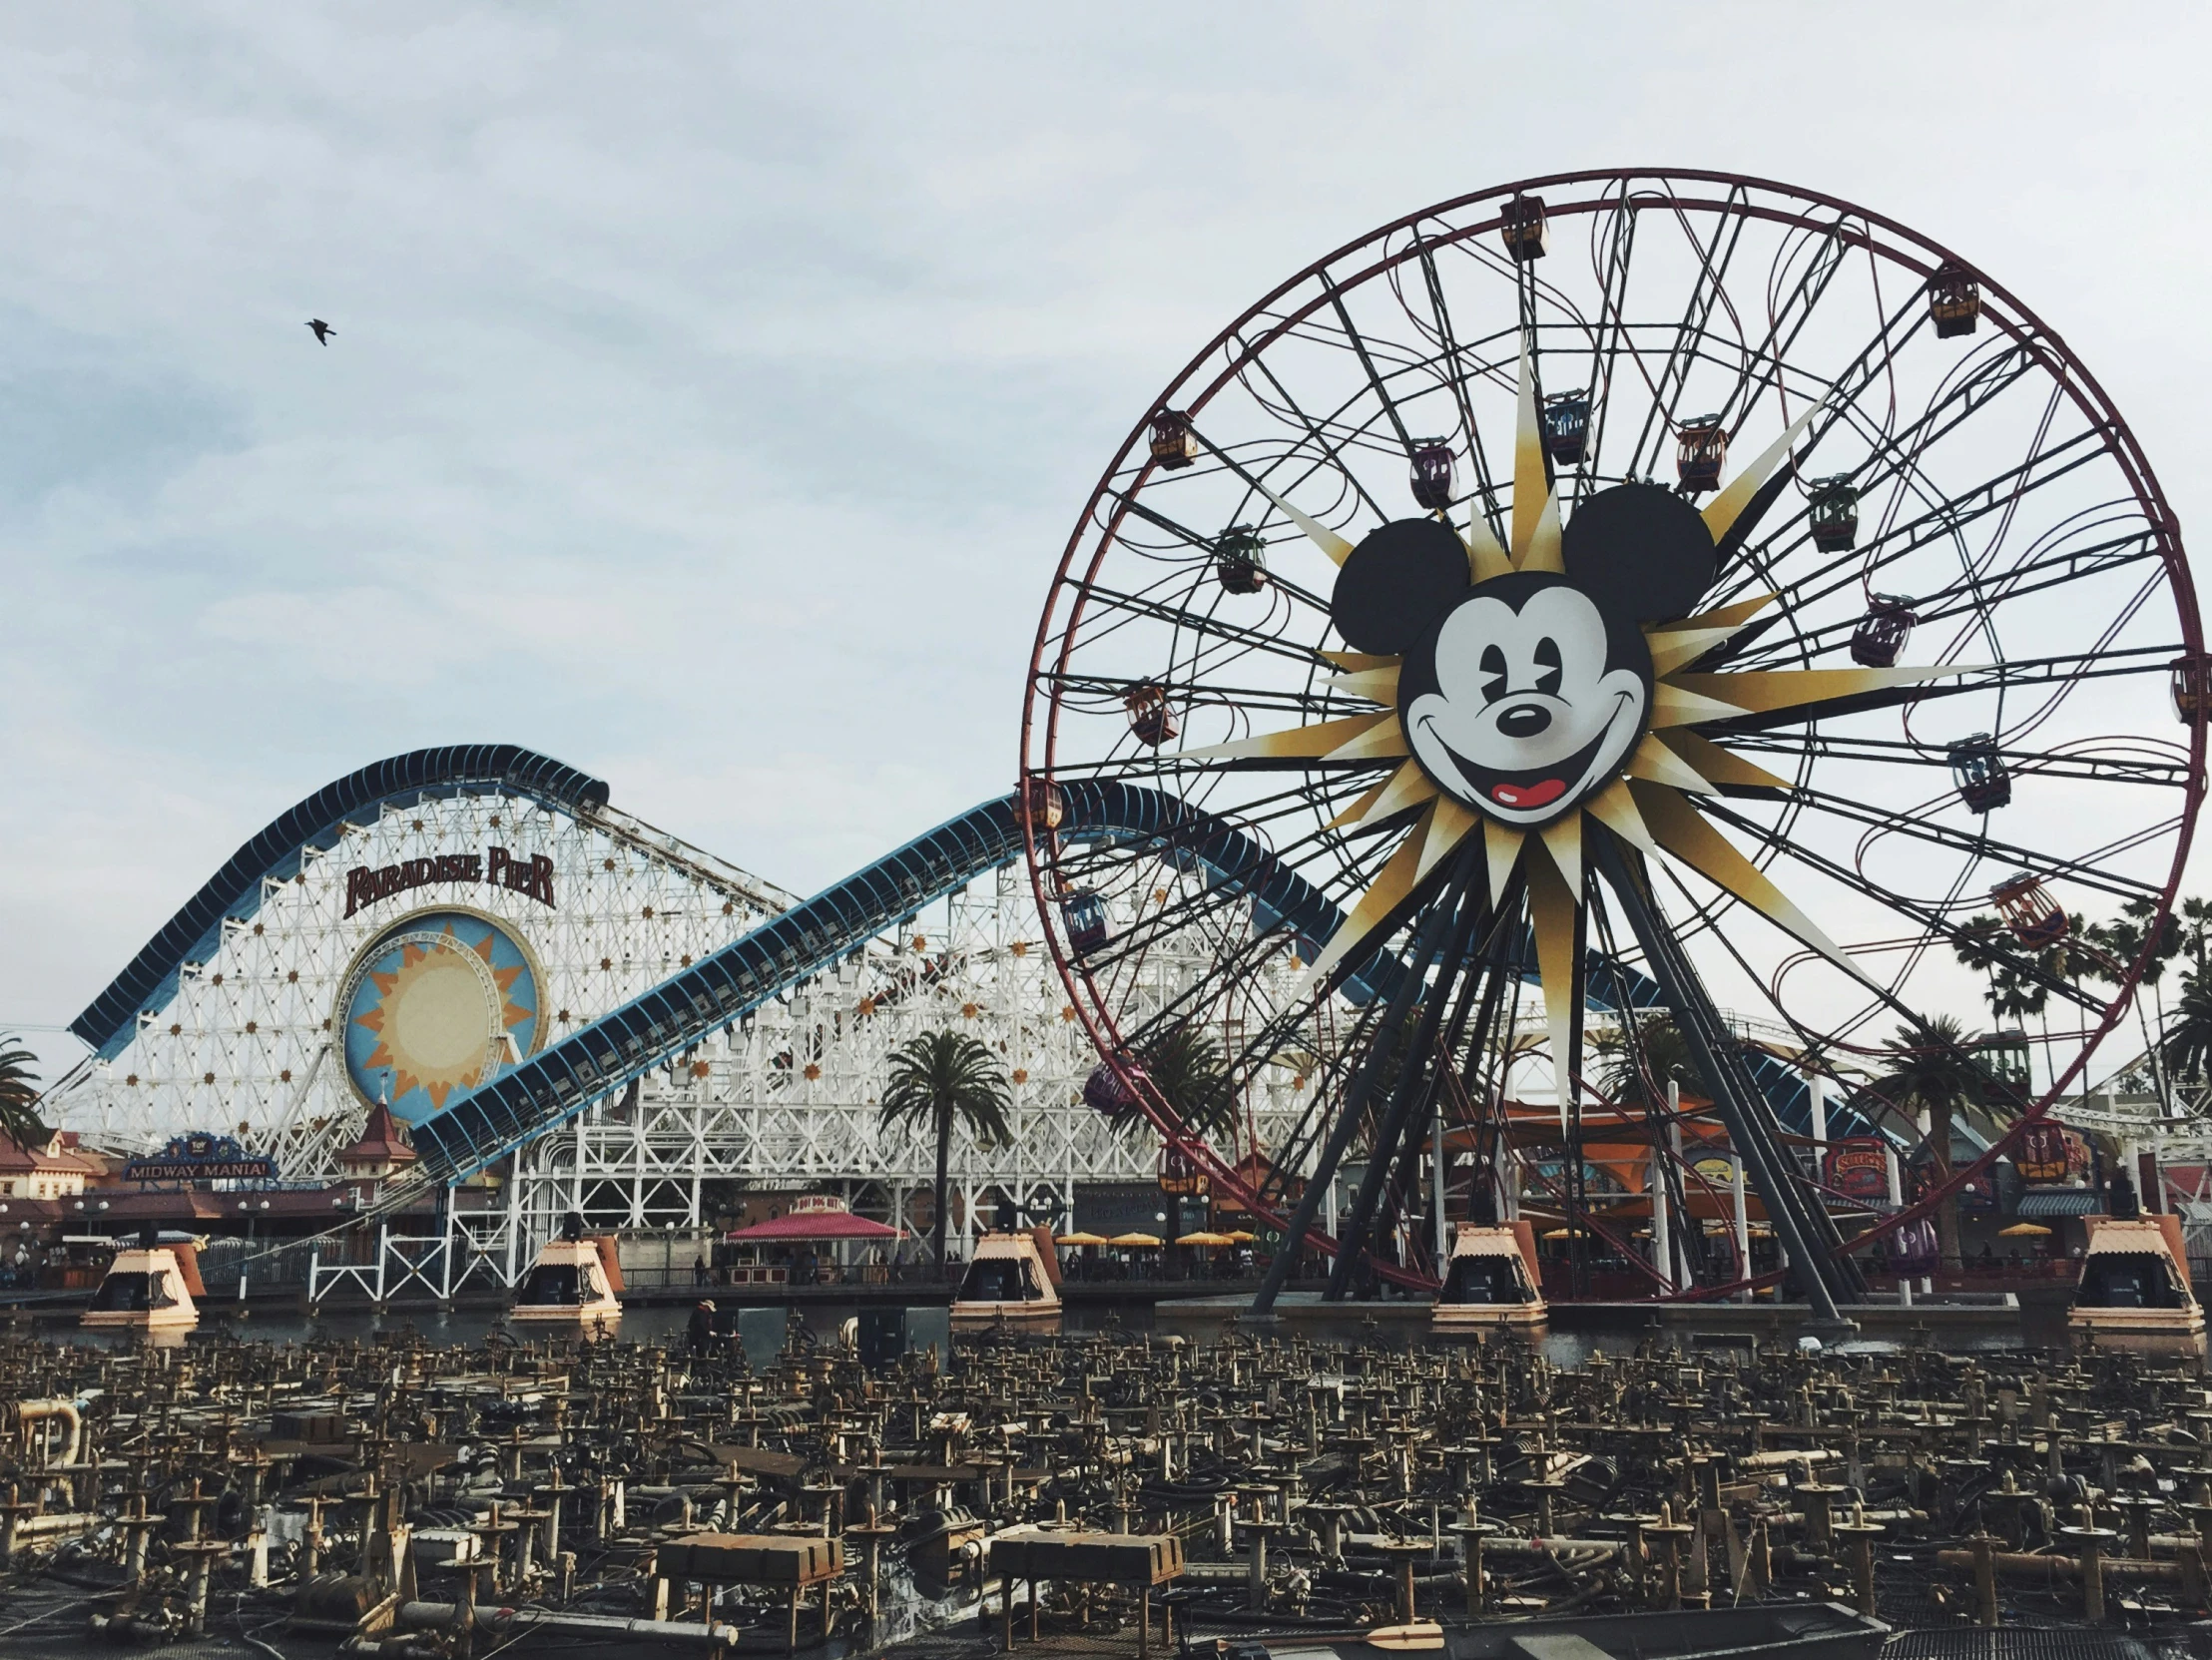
(713,392)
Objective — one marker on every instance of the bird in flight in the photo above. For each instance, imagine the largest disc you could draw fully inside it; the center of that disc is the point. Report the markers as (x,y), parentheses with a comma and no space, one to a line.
(322,330)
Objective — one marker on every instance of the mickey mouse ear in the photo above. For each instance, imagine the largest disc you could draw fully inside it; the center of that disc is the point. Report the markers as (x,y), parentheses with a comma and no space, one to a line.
(1640,549)
(1397,583)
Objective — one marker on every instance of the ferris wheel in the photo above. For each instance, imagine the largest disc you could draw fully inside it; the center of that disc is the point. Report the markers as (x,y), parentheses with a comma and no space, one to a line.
(1614,589)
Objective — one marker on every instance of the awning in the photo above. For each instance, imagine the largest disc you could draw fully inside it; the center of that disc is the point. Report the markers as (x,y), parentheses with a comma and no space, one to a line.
(811,1224)
(2060,1202)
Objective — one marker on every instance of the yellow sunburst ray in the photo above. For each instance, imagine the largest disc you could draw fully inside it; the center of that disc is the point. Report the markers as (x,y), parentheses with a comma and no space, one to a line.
(1552,909)
(1384,740)
(1722,512)
(1375,685)
(1352,661)
(1535,504)
(1563,839)
(1385,894)
(1448,827)
(1615,809)
(1732,617)
(1673,647)
(1313,741)
(1660,765)
(1407,787)
(1720,766)
(1685,834)
(1677,705)
(1501,846)
(1485,558)
(1318,533)
(1765,689)
(1358,808)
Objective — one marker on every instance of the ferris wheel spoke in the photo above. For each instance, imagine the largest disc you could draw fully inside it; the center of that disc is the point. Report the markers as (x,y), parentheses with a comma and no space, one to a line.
(1933,921)
(1708,290)
(1943,520)
(2076,766)
(1976,593)
(1483,497)
(2066,670)
(1321,440)
(1611,332)
(1366,363)
(1979,845)
(1235,633)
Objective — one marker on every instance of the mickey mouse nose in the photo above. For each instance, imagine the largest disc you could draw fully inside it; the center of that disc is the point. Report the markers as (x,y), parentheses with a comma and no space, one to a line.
(1524,720)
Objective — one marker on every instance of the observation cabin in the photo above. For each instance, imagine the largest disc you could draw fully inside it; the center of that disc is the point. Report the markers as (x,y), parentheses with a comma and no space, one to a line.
(574,1282)
(1014,1279)
(1491,1281)
(150,1286)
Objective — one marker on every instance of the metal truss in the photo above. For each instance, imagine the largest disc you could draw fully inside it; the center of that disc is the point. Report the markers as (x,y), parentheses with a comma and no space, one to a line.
(250,1044)
(788,1098)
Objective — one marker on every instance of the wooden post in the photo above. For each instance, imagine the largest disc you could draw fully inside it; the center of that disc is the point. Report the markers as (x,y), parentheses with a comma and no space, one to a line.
(1144,1624)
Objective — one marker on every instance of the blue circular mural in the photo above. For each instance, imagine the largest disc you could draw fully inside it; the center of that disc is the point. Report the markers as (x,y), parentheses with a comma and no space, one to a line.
(441,1003)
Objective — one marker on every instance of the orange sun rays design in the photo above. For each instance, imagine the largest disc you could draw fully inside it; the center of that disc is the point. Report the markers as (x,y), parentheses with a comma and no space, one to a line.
(454,1061)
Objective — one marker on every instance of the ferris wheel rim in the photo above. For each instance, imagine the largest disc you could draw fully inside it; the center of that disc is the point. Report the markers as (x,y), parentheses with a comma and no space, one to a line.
(2026,329)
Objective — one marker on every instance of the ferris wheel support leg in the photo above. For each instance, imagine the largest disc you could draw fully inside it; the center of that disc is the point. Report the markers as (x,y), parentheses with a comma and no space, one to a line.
(1425,946)
(1415,1082)
(1811,1242)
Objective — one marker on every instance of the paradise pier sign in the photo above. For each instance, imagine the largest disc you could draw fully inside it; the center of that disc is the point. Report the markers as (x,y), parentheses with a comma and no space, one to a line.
(532,875)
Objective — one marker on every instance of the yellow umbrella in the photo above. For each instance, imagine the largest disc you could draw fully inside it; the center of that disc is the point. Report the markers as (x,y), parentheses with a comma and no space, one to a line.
(2024,1229)
(1137,1241)
(1083,1239)
(1203,1237)
(1242,1236)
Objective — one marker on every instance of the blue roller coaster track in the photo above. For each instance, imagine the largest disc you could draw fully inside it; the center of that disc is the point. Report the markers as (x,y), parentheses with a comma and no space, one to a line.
(597,1059)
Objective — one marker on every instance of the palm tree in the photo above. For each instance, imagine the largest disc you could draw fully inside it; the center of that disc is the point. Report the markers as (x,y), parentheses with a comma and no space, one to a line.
(2125,939)
(19,1119)
(940,1078)
(1663,1051)
(1185,1066)
(2187,1048)
(1933,1070)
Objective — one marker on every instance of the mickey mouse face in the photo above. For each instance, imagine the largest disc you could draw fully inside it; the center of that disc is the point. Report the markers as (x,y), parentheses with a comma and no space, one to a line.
(1523,696)
(1527,699)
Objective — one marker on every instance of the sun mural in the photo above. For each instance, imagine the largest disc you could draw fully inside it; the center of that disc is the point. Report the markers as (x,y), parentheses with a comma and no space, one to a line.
(440,1003)
(1519,689)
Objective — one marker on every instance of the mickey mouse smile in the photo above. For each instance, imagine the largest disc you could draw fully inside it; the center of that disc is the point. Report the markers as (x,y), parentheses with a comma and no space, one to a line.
(1509,795)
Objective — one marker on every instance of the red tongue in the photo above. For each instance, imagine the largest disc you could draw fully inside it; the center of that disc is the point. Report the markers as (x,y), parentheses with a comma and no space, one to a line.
(1514,796)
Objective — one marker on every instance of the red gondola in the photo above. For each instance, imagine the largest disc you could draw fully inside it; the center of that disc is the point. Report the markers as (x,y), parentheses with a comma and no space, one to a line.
(2029,911)
(1151,717)
(1882,631)
(1954,300)
(1174,444)
(1701,451)
(1432,480)
(1527,235)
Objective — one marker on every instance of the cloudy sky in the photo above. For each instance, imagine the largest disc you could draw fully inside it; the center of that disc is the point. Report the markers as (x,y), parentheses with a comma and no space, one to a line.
(714,386)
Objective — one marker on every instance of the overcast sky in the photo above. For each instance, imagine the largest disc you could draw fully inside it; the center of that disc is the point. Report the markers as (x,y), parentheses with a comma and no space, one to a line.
(714,387)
